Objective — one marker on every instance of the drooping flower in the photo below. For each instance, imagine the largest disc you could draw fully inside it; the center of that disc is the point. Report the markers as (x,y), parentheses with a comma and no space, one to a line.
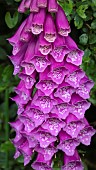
(62,24)
(51,96)
(72,162)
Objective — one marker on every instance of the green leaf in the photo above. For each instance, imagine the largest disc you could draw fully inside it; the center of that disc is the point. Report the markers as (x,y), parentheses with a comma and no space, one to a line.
(93,24)
(92,38)
(78,22)
(17,0)
(3,54)
(11,21)
(83,39)
(6,147)
(94,2)
(7,73)
(81,11)
(67,6)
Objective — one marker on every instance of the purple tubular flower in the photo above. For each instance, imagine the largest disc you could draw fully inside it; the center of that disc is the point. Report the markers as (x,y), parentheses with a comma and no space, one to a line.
(75,55)
(27,4)
(67,144)
(26,151)
(84,89)
(58,72)
(28,79)
(33,6)
(25,36)
(17,47)
(74,78)
(79,106)
(44,138)
(42,3)
(36,116)
(49,29)
(26,63)
(45,103)
(59,49)
(16,59)
(21,7)
(53,90)
(16,37)
(48,152)
(72,162)
(61,109)
(29,23)
(86,133)
(44,46)
(40,62)
(62,24)
(28,123)
(38,21)
(45,84)
(40,164)
(64,92)
(52,6)
(53,125)
(74,126)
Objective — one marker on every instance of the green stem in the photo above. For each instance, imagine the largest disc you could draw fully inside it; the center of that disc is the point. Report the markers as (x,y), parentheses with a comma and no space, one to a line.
(6,122)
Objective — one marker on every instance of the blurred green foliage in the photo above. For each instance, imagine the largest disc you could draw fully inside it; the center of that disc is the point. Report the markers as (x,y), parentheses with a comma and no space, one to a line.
(82,17)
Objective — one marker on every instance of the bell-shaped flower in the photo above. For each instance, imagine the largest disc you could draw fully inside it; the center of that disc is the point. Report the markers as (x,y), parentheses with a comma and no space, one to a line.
(21,7)
(72,162)
(79,106)
(29,23)
(86,134)
(75,55)
(22,91)
(20,109)
(17,125)
(64,92)
(67,144)
(26,151)
(25,36)
(42,3)
(47,152)
(62,24)
(53,125)
(33,6)
(17,47)
(61,109)
(40,164)
(73,126)
(26,63)
(17,59)
(40,62)
(45,84)
(74,78)
(22,99)
(27,4)
(37,116)
(45,138)
(49,29)
(44,46)
(58,72)
(59,49)
(28,79)
(16,37)
(52,6)
(28,123)
(84,89)
(45,103)
(38,22)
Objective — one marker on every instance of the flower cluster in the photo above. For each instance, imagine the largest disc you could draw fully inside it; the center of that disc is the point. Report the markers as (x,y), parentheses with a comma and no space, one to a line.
(47,59)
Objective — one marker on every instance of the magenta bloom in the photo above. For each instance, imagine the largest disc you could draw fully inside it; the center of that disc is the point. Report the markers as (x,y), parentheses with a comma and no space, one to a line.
(53,90)
(62,24)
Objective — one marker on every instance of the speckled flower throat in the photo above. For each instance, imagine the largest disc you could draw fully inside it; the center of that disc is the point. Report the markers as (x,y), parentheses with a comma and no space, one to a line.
(53,90)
